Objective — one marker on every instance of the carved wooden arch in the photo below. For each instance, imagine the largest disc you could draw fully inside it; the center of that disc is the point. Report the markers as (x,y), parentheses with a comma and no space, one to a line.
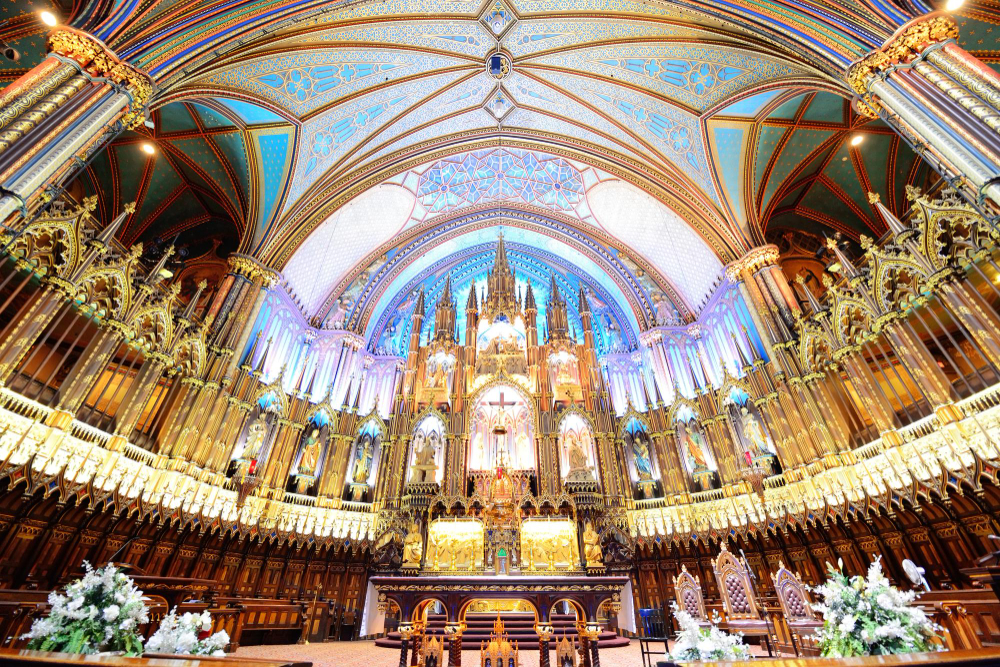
(110,286)
(887,282)
(734,586)
(575,409)
(155,324)
(851,317)
(630,414)
(680,402)
(190,355)
(428,411)
(52,244)
(275,389)
(324,408)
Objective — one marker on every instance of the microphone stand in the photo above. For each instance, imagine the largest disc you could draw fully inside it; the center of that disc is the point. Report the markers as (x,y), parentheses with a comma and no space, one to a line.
(772,632)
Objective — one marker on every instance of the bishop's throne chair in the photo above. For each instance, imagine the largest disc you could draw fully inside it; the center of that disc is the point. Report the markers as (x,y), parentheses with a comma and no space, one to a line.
(802,621)
(738,599)
(687,590)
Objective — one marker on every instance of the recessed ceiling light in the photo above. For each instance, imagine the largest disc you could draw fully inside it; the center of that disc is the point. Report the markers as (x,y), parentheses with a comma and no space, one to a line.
(857,139)
(49,19)
(953,5)
(148,148)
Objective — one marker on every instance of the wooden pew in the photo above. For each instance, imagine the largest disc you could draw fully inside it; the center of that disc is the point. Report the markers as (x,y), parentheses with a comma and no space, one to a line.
(266,621)
(971,616)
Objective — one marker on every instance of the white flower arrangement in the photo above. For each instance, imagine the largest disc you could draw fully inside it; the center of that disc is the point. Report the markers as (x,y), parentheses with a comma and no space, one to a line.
(868,616)
(711,643)
(187,635)
(100,612)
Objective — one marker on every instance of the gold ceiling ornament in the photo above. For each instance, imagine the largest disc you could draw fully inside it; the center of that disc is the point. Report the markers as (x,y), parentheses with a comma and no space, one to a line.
(908,43)
(754,260)
(97,60)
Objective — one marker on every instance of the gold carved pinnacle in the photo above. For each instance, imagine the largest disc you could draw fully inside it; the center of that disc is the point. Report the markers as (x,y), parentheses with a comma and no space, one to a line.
(874,197)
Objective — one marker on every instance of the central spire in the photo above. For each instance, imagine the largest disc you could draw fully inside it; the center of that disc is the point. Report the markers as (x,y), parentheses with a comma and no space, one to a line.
(501,290)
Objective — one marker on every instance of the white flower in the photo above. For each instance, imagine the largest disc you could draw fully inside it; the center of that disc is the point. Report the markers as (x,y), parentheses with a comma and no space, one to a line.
(847,625)
(111,613)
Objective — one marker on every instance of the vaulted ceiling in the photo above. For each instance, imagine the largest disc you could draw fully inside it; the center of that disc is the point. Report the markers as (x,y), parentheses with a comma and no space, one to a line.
(368,149)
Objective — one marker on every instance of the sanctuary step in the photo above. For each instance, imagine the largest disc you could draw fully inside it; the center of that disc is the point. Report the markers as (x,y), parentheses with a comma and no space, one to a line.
(520,628)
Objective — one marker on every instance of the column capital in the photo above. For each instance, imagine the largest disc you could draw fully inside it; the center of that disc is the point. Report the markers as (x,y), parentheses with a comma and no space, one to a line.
(253,270)
(754,259)
(905,44)
(97,60)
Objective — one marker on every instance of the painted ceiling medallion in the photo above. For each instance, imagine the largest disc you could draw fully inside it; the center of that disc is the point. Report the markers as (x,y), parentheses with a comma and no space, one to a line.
(498,65)
(498,17)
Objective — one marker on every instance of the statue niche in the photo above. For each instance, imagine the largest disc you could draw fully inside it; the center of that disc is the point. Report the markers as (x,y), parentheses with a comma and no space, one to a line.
(749,431)
(310,453)
(576,446)
(695,452)
(427,451)
(255,440)
(366,447)
(639,450)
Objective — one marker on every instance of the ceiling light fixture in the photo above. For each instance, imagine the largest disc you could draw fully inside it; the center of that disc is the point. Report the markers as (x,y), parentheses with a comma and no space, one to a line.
(857,139)
(48,18)
(953,5)
(148,148)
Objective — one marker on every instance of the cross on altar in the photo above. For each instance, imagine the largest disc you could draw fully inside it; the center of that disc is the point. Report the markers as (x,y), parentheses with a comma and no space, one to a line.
(500,404)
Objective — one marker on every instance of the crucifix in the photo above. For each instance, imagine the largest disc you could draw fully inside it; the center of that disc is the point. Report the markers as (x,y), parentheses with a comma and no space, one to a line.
(500,430)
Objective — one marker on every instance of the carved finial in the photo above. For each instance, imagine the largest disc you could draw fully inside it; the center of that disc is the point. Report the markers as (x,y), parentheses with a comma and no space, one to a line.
(874,198)
(134,252)
(912,192)
(90,203)
(202,284)
(866,241)
(800,279)
(129,207)
(827,280)
(831,243)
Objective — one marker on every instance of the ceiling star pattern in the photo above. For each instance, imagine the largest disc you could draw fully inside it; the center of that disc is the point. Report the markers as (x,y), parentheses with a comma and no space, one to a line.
(792,148)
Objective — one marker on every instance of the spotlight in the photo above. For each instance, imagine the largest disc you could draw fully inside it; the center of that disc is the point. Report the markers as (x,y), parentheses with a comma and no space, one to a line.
(953,5)
(148,148)
(48,18)
(857,139)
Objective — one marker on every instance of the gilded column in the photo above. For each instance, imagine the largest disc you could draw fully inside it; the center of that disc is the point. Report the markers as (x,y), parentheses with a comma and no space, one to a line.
(69,105)
(941,99)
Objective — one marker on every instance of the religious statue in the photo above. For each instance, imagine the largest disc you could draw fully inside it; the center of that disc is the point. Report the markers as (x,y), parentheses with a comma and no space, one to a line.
(478,451)
(519,457)
(592,555)
(754,433)
(363,463)
(579,470)
(424,465)
(693,448)
(310,453)
(642,462)
(255,440)
(413,546)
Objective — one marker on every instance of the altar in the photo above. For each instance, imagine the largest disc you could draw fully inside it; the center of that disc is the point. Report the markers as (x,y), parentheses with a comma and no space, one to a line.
(540,592)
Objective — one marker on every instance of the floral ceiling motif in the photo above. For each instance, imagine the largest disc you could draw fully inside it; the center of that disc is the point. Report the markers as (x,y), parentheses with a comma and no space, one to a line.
(500,175)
